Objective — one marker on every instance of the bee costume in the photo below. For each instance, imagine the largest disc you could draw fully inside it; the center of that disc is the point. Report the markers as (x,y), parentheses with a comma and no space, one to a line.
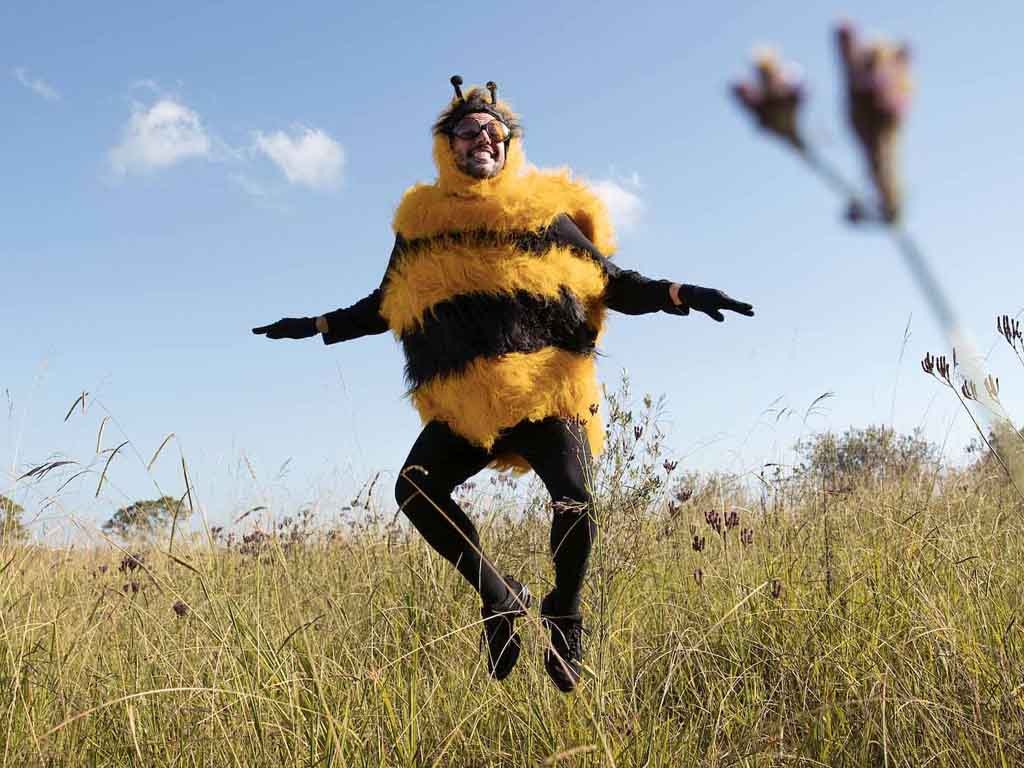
(497,288)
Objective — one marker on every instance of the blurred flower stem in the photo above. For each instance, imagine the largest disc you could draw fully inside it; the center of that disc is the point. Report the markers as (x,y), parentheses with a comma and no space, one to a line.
(878,88)
(832,178)
(774,98)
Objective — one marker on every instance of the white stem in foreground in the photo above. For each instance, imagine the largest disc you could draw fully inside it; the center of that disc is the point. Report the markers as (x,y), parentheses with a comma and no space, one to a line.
(972,362)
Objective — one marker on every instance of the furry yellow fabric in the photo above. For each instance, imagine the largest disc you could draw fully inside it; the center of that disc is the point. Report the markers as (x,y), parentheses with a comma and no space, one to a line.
(493,394)
(445,268)
(515,199)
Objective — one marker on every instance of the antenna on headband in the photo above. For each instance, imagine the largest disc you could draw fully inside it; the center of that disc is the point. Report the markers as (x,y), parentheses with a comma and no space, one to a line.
(456,84)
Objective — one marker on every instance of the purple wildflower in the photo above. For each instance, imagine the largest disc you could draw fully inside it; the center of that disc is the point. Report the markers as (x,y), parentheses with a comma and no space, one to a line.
(773,98)
(878,99)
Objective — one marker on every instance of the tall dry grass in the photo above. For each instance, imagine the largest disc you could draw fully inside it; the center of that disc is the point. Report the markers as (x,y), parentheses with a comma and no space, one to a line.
(799,622)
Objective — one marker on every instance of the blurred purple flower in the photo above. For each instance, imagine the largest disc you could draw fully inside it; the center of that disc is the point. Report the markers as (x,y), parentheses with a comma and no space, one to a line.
(714,519)
(878,98)
(774,98)
(130,562)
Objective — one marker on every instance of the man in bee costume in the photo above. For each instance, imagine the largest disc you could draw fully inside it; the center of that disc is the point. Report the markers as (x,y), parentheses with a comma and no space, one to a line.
(497,288)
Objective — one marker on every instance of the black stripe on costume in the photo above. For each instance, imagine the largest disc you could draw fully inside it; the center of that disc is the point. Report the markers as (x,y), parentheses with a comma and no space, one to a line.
(455,332)
(538,242)
(563,231)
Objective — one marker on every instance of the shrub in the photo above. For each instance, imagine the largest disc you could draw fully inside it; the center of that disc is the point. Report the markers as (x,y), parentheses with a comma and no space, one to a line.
(145,518)
(11,527)
(870,454)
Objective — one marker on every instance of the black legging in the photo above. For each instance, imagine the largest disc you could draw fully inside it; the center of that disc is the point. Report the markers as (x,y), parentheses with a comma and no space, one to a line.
(558,452)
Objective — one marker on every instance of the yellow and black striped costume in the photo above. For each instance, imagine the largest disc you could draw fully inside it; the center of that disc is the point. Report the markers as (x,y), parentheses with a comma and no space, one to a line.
(497,290)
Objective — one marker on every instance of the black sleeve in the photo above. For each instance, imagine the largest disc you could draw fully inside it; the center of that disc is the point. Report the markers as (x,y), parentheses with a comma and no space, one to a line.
(363,318)
(627,291)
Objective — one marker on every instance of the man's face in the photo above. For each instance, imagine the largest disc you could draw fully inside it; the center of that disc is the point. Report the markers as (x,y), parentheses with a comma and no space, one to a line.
(481,156)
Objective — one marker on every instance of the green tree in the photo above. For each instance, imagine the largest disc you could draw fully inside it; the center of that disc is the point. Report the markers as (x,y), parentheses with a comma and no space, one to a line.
(11,527)
(872,453)
(145,518)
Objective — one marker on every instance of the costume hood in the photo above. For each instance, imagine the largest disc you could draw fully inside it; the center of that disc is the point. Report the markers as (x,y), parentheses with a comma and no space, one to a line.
(449,177)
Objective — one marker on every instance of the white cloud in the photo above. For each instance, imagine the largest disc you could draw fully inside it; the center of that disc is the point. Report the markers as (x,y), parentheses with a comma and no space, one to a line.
(158,137)
(624,205)
(38,85)
(312,158)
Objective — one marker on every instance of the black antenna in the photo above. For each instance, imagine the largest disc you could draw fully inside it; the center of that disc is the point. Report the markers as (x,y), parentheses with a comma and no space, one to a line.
(493,88)
(456,82)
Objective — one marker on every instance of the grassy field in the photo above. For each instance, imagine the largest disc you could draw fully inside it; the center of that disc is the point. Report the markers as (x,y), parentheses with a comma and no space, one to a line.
(823,623)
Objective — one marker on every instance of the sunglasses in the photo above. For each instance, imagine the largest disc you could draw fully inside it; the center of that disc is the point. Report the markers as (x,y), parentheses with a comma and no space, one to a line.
(497,131)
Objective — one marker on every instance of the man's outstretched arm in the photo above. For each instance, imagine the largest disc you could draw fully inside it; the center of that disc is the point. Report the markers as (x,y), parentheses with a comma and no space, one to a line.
(361,319)
(631,293)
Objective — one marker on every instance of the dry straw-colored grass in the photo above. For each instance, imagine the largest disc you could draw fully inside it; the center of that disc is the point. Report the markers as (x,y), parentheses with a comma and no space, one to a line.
(868,624)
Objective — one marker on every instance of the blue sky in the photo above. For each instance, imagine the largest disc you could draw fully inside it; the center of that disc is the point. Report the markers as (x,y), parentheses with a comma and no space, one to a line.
(178,173)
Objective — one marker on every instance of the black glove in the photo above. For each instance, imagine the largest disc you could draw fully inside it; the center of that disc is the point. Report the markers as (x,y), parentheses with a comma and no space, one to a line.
(289,328)
(709,301)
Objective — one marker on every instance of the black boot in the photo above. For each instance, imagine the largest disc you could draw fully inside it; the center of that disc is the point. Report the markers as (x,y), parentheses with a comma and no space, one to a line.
(499,629)
(564,653)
